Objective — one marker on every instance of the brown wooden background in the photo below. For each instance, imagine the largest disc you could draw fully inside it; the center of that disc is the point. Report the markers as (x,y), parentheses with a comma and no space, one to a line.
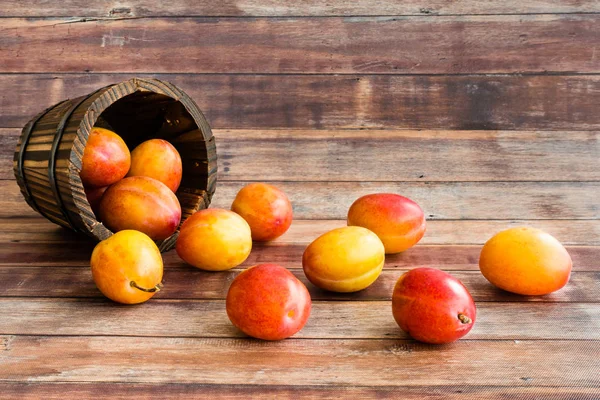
(487,113)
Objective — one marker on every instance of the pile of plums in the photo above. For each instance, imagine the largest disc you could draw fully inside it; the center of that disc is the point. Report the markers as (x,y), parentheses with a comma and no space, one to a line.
(132,191)
(135,199)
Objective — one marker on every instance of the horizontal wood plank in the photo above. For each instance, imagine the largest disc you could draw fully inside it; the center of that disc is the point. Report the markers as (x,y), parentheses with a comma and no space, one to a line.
(313,362)
(168,391)
(184,282)
(409,155)
(267,8)
(463,232)
(404,155)
(439,200)
(328,320)
(386,45)
(353,101)
(302,232)
(452,258)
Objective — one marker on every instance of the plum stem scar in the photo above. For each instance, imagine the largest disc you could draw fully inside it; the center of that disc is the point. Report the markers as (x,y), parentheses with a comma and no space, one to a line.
(151,290)
(464,319)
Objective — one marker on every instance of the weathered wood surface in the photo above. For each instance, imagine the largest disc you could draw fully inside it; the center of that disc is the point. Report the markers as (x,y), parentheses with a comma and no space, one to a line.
(347,101)
(185,282)
(402,155)
(387,45)
(393,155)
(569,232)
(147,391)
(483,112)
(384,362)
(328,320)
(267,8)
(439,200)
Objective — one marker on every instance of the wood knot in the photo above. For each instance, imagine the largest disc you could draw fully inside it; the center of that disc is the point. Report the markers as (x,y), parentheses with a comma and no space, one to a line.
(5,343)
(400,348)
(120,12)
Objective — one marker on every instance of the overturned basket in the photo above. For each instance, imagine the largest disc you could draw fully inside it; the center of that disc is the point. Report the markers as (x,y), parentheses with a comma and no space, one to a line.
(48,156)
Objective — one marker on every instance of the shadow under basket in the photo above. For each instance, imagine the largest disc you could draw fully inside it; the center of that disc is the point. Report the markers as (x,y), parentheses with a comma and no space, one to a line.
(48,156)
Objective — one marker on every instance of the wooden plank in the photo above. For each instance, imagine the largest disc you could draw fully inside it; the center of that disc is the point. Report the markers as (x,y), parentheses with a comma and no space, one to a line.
(585,232)
(348,101)
(439,200)
(313,362)
(452,258)
(168,391)
(12,202)
(386,45)
(8,142)
(184,282)
(409,155)
(302,232)
(406,155)
(328,320)
(270,8)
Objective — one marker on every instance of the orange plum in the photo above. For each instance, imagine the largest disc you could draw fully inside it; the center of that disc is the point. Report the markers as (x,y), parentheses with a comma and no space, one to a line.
(398,221)
(158,159)
(127,267)
(267,210)
(94,196)
(525,261)
(346,259)
(268,302)
(143,204)
(214,240)
(432,306)
(105,160)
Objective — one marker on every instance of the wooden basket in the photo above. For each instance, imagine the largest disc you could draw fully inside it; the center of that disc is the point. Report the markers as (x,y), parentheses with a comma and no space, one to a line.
(48,156)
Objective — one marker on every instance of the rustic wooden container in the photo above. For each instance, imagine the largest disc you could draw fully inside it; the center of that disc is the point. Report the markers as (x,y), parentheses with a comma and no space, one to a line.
(48,156)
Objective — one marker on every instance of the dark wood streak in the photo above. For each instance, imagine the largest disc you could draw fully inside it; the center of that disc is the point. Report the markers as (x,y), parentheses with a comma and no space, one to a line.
(168,391)
(325,101)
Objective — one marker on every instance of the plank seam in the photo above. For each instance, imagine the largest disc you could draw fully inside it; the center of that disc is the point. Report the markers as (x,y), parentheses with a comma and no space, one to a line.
(423,14)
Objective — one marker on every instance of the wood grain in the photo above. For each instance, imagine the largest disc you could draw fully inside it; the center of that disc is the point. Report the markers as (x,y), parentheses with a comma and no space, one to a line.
(328,320)
(463,232)
(448,257)
(302,232)
(259,8)
(406,155)
(439,200)
(168,391)
(184,282)
(484,112)
(313,362)
(353,101)
(386,45)
(8,142)
(409,155)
